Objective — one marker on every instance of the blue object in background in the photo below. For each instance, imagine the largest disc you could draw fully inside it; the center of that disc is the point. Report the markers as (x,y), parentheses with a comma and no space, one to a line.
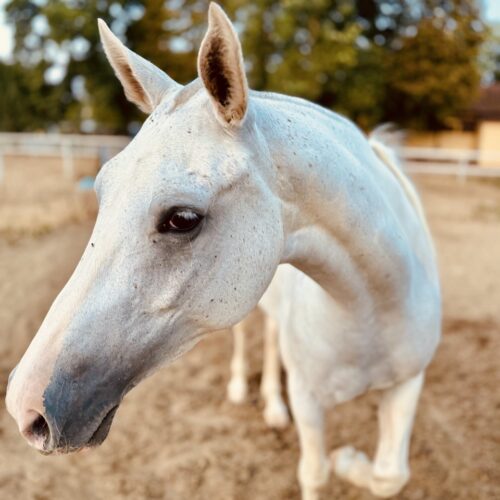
(86,183)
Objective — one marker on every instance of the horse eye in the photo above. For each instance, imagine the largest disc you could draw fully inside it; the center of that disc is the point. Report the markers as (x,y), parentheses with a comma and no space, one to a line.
(179,221)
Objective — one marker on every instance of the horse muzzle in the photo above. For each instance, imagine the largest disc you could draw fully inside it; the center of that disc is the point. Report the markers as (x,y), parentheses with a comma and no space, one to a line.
(42,433)
(74,412)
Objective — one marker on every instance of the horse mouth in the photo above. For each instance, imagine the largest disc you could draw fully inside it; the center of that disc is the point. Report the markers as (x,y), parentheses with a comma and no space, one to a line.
(101,433)
(98,436)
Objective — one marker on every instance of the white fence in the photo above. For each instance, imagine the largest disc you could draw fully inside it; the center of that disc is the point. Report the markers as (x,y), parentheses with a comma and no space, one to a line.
(68,147)
(459,162)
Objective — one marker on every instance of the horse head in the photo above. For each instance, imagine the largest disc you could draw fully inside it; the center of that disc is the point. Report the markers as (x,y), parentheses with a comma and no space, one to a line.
(188,236)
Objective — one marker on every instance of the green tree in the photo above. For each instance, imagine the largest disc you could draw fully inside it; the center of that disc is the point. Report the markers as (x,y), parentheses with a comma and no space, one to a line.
(308,49)
(46,29)
(414,62)
(434,74)
(314,52)
(27,102)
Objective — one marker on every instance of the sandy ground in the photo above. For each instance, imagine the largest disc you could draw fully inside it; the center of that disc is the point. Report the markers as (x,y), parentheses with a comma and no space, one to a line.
(36,198)
(175,436)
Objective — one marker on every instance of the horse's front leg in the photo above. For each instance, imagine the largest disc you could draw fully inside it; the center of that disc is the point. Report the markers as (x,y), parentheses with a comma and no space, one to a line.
(396,414)
(237,387)
(275,411)
(389,471)
(314,469)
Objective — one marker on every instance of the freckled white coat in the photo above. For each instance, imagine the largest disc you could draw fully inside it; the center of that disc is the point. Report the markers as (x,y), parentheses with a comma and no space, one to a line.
(278,180)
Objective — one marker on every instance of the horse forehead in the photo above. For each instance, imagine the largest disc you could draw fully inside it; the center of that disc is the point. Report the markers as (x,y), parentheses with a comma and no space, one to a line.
(179,153)
(181,144)
(182,128)
(146,176)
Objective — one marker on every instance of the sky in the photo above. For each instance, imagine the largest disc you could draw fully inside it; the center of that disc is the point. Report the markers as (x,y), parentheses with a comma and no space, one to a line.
(492,10)
(491,7)
(5,34)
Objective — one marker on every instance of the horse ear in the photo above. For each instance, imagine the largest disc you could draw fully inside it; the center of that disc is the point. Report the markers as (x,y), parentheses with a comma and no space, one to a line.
(220,66)
(145,85)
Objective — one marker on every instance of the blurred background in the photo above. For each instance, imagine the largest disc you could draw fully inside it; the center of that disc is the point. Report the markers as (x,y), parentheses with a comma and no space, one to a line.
(422,64)
(429,67)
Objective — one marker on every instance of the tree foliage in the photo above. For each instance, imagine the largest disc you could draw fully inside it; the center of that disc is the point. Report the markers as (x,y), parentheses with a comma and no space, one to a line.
(414,62)
(434,74)
(29,103)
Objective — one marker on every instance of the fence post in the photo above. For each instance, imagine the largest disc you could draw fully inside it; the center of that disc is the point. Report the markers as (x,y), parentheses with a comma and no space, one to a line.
(2,167)
(462,172)
(104,155)
(67,159)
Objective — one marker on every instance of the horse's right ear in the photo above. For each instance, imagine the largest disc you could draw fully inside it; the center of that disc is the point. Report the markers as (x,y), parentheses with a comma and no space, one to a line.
(221,68)
(145,85)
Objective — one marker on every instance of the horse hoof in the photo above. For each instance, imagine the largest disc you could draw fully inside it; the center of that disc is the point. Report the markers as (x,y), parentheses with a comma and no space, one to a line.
(385,487)
(352,465)
(237,391)
(276,415)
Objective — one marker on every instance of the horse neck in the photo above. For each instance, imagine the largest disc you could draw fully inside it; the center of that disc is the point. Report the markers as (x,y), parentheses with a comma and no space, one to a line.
(347,222)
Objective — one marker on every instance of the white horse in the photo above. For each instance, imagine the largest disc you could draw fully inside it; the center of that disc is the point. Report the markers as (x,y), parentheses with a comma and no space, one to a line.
(220,186)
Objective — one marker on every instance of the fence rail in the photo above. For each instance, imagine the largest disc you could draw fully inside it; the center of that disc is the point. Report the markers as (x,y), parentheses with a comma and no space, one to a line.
(460,162)
(66,146)
(435,161)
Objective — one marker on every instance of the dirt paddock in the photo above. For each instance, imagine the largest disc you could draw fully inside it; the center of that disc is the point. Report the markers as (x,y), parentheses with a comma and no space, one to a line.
(175,436)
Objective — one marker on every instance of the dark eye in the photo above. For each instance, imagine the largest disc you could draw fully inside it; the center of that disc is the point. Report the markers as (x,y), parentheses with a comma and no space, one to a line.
(179,220)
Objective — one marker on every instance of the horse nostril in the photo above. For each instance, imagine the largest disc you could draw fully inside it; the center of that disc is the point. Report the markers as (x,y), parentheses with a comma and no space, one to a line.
(40,427)
(36,430)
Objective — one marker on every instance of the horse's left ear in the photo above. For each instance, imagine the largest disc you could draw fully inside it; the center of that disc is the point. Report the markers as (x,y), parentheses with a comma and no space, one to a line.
(221,68)
(145,85)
